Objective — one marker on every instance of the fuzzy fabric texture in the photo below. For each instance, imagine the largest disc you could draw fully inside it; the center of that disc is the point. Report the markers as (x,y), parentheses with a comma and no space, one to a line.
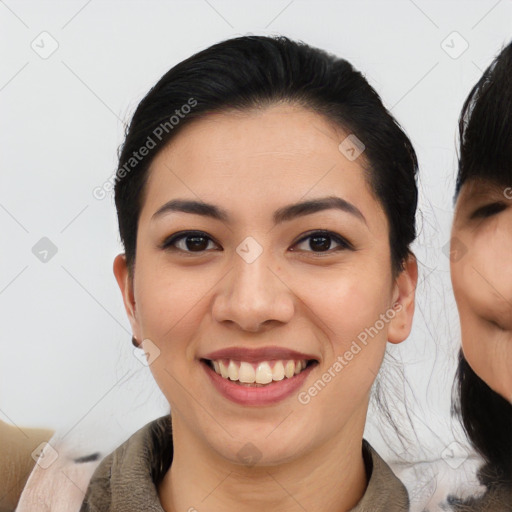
(59,481)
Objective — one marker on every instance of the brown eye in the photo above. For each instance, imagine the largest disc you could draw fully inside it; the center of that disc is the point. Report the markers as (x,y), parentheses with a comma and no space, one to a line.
(190,241)
(320,242)
(488,210)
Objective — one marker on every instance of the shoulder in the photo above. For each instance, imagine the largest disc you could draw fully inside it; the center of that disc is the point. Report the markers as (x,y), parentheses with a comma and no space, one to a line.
(67,464)
(128,476)
(384,492)
(59,479)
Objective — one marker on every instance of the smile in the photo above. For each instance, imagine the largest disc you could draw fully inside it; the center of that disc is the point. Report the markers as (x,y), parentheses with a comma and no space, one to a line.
(257,384)
(261,373)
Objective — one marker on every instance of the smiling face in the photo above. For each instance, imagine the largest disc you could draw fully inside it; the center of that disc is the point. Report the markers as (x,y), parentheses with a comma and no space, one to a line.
(259,275)
(481,275)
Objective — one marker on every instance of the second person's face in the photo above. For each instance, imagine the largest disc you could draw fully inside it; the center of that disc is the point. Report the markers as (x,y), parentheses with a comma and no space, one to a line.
(481,273)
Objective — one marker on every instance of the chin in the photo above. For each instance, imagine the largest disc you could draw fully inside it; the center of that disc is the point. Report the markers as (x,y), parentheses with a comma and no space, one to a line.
(260,451)
(503,387)
(496,373)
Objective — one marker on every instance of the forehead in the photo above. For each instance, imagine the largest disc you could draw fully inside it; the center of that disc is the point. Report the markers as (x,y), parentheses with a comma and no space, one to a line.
(260,159)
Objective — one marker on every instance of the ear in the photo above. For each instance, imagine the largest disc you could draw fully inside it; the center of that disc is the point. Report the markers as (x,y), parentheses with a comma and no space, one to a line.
(404,300)
(125,283)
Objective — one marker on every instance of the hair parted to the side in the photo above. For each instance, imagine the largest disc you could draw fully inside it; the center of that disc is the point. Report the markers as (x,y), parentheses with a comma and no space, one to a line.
(485,131)
(251,72)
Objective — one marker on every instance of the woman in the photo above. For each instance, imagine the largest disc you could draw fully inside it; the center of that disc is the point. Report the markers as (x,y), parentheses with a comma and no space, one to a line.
(266,202)
(481,273)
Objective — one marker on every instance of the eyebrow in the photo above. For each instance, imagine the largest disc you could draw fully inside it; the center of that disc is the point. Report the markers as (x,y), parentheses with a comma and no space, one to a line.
(286,213)
(483,188)
(478,190)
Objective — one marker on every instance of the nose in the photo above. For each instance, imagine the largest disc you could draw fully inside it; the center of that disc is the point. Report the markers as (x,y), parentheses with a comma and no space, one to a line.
(253,295)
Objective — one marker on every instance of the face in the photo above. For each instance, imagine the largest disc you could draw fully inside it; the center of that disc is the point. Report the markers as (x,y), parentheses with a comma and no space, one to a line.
(481,273)
(262,285)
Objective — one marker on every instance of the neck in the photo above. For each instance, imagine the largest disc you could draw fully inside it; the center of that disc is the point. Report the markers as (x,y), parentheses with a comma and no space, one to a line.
(332,478)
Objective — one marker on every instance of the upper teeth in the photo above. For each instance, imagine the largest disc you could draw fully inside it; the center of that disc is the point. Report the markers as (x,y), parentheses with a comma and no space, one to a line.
(261,373)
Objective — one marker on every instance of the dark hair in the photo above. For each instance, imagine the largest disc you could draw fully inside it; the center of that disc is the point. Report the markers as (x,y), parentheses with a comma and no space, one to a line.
(485,129)
(487,420)
(254,72)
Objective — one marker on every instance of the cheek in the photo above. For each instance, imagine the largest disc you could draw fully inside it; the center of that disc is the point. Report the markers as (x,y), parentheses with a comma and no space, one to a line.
(170,302)
(490,355)
(482,278)
(354,307)
(358,308)
(171,305)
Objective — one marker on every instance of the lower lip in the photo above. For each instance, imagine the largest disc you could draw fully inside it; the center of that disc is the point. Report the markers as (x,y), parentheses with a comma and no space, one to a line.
(265,395)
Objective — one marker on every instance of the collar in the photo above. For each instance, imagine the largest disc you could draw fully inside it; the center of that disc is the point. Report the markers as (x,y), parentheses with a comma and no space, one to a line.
(127,479)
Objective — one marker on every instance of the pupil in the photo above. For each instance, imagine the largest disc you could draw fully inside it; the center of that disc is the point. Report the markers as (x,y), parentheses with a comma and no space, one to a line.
(196,243)
(325,245)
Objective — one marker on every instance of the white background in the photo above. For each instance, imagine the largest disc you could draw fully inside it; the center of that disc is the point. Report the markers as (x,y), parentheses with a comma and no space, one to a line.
(66,358)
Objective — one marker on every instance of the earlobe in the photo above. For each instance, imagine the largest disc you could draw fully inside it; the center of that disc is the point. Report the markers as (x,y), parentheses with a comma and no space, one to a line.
(405,289)
(125,283)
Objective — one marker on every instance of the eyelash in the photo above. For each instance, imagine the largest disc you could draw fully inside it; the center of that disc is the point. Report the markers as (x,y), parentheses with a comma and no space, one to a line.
(488,210)
(168,243)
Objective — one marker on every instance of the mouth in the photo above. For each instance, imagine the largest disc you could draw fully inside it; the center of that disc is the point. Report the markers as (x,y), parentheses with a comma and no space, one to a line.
(263,383)
(258,374)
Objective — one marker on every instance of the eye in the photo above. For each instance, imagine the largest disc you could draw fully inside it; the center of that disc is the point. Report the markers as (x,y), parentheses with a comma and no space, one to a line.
(322,240)
(190,241)
(488,210)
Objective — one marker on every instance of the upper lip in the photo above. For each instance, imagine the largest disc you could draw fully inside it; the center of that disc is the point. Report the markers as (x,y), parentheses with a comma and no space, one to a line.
(254,355)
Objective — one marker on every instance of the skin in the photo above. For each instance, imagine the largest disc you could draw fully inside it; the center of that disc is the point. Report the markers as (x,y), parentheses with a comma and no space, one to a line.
(293,295)
(482,280)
